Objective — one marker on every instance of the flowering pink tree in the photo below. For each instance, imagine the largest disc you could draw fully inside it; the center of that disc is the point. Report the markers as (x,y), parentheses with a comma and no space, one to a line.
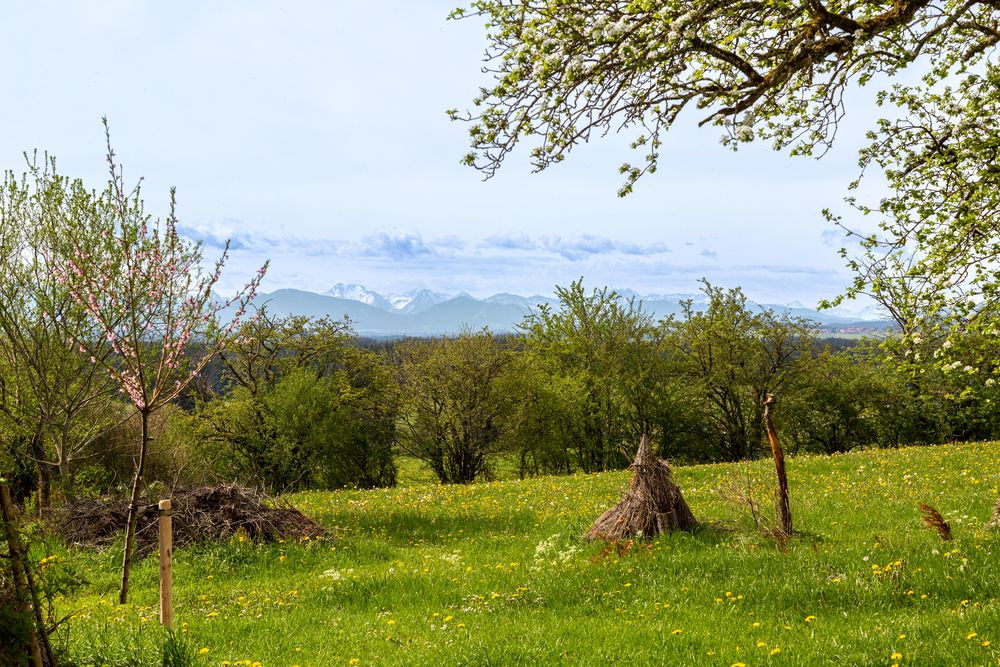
(151,299)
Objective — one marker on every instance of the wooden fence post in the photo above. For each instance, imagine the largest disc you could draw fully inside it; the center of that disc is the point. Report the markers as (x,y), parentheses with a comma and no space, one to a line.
(784,511)
(166,565)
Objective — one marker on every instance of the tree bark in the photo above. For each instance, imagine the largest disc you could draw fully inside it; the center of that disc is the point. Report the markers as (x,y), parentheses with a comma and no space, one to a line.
(44,490)
(784,510)
(133,508)
(66,479)
(23,598)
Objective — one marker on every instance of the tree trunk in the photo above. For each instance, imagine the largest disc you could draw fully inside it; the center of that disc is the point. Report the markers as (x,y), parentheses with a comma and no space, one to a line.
(22,598)
(66,477)
(784,510)
(65,465)
(995,521)
(133,508)
(44,473)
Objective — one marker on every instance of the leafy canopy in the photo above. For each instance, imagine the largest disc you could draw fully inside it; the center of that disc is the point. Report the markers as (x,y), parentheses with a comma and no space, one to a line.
(563,70)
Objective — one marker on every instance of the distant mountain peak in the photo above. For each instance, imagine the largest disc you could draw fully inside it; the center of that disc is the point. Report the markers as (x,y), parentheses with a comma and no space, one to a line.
(417,300)
(354,292)
(411,301)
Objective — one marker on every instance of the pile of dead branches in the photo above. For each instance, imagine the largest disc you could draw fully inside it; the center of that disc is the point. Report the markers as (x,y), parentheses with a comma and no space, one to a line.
(652,505)
(199,515)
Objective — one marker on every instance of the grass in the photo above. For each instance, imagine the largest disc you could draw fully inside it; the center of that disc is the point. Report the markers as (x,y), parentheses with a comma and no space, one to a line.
(496,574)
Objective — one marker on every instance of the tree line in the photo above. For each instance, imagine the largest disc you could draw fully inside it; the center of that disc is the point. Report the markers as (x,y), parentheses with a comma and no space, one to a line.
(293,403)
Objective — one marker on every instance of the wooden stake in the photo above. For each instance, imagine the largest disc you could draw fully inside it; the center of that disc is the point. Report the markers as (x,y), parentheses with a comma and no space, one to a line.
(166,565)
(784,511)
(18,566)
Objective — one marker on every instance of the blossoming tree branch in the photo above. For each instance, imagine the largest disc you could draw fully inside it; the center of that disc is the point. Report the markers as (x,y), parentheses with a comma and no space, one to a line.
(146,289)
(565,70)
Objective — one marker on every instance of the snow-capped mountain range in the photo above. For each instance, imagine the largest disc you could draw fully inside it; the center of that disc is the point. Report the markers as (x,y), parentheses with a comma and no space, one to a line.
(413,301)
(424,312)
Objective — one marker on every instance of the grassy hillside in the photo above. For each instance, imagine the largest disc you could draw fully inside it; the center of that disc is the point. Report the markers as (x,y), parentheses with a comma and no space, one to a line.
(495,574)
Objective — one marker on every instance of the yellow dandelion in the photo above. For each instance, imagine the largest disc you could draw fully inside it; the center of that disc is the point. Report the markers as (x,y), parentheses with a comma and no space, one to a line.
(676,631)
(775,651)
(353,661)
(810,619)
(391,622)
(986,642)
(203,650)
(761,644)
(896,656)
(448,618)
(971,635)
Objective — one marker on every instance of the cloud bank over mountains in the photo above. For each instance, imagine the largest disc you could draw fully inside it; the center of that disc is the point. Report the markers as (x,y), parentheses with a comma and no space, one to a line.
(393,243)
(574,248)
(393,260)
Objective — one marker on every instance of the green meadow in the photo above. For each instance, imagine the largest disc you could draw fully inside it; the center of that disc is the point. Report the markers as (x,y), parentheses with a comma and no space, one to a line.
(497,574)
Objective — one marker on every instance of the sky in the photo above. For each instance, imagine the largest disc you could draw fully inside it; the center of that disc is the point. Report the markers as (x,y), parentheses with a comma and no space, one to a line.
(314,135)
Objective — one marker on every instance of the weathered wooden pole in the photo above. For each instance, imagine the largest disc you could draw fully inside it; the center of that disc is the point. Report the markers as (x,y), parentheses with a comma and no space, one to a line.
(784,511)
(20,574)
(166,564)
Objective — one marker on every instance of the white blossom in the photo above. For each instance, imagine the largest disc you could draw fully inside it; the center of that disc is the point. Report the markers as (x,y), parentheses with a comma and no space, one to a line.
(618,28)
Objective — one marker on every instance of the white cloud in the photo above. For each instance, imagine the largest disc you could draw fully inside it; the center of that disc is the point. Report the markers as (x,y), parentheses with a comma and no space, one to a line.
(394,243)
(574,248)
